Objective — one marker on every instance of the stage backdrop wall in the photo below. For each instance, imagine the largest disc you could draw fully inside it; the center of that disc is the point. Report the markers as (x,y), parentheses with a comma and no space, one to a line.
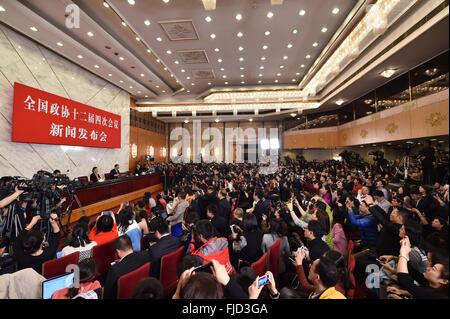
(23,60)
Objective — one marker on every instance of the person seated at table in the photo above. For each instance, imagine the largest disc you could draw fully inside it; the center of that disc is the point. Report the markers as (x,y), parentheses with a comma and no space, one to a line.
(95,176)
(114,173)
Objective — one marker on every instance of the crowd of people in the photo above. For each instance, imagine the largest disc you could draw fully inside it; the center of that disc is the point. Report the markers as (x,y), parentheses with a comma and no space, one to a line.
(325,215)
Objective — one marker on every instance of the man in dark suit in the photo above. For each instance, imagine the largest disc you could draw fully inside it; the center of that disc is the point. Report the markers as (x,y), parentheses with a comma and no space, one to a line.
(204,201)
(128,262)
(261,207)
(114,173)
(166,244)
(219,223)
(224,208)
(316,246)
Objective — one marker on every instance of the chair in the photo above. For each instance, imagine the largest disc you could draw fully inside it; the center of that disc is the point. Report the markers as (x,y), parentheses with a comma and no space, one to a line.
(127,283)
(83,179)
(104,255)
(168,273)
(350,248)
(274,258)
(57,267)
(260,266)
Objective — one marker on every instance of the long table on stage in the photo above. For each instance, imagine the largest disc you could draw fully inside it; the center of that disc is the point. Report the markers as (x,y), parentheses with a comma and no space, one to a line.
(97,197)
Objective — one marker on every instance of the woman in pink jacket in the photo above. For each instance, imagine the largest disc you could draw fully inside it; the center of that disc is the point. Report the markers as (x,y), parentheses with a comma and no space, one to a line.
(339,239)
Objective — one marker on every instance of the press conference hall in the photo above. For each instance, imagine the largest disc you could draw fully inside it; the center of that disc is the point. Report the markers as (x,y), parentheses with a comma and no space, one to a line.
(218,156)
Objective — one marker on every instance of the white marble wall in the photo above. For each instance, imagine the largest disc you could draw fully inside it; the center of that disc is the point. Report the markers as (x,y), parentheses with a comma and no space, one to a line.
(23,60)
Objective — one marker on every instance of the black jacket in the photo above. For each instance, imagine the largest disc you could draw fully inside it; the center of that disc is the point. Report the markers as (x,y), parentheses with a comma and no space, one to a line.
(113,174)
(388,242)
(317,247)
(125,266)
(164,246)
(224,209)
(261,208)
(221,226)
(252,251)
(93,178)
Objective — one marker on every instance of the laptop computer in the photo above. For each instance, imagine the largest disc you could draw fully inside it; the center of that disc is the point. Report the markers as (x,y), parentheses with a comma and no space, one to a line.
(50,286)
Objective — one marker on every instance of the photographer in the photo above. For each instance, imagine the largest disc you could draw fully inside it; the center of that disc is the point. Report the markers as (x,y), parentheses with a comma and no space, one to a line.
(32,249)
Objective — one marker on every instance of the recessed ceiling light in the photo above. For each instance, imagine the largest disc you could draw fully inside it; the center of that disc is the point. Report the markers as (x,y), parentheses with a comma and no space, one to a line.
(315,44)
(146,96)
(176,62)
(105,4)
(96,66)
(240,48)
(289,45)
(302,65)
(222,69)
(261,67)
(241,59)
(208,19)
(242,82)
(335,11)
(169,52)
(139,92)
(259,81)
(34,29)
(263,58)
(147,23)
(213,36)
(307,56)
(217,120)
(192,84)
(301,12)
(265,47)
(59,44)
(388,73)
(166,1)
(219,60)
(122,58)
(267,33)
(241,68)
(159,39)
(164,91)
(138,39)
(121,81)
(293,80)
(149,51)
(281,66)
(324,30)
(260,75)
(285,57)
(224,76)
(298,73)
(293,114)
(79,56)
(157,86)
(226,82)
(124,24)
(340,102)
(209,83)
(295,31)
(278,74)
(269,14)
(188,78)
(165,69)
(276,81)
(217,49)
(242,75)
(250,120)
(157,60)
(142,74)
(239,34)
(186,121)
(131,2)
(109,74)
(90,34)
(238,16)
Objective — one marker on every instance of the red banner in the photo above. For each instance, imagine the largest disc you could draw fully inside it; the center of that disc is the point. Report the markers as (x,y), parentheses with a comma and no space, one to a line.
(44,118)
